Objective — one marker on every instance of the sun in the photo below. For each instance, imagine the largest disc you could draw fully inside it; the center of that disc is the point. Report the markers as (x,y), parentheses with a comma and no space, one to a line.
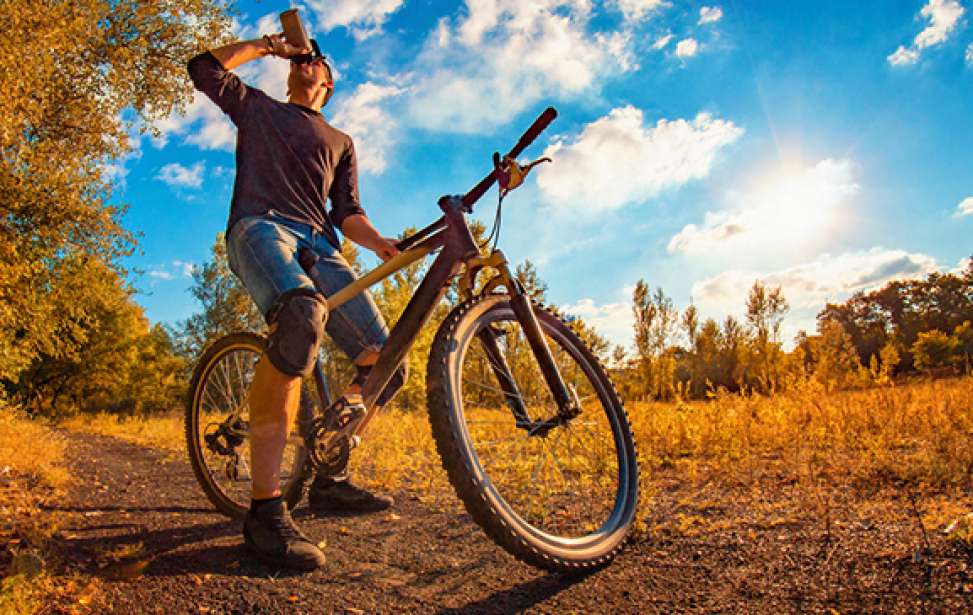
(794,205)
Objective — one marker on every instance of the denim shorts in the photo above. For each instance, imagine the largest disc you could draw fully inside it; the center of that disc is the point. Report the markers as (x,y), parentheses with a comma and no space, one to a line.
(262,251)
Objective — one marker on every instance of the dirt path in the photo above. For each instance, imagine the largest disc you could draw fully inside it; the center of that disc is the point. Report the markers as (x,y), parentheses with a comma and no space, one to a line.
(136,517)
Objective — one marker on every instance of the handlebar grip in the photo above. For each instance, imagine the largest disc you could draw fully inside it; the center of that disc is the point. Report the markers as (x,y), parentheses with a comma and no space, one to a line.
(542,122)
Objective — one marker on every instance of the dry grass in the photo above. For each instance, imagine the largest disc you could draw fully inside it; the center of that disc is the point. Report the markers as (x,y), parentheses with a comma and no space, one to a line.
(920,434)
(163,432)
(30,473)
(916,436)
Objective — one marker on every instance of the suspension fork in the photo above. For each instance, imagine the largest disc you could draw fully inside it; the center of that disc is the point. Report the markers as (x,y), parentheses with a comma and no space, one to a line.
(498,362)
(524,311)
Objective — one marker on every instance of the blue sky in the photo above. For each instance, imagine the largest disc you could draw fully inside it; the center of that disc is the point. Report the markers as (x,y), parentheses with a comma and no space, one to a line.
(821,146)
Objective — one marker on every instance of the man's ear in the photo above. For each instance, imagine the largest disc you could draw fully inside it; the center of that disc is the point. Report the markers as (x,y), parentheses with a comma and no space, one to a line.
(327,97)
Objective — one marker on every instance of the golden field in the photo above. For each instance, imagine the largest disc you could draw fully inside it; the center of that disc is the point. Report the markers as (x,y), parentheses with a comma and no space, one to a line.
(918,434)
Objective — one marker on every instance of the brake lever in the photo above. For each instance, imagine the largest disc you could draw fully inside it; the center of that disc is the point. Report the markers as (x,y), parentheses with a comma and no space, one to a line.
(510,174)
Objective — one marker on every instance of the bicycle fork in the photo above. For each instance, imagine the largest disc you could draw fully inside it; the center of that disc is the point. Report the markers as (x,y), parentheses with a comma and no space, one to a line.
(567,407)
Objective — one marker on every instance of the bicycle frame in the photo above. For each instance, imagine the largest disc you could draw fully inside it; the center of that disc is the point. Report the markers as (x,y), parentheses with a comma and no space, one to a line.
(452,235)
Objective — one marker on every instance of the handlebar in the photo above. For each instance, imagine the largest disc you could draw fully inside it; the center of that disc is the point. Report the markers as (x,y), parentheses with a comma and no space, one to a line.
(542,122)
(471,197)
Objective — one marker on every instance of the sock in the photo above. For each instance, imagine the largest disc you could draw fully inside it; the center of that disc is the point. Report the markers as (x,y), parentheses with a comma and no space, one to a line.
(257,504)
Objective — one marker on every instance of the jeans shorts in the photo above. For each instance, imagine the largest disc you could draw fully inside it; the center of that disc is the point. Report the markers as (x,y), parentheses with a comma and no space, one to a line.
(262,251)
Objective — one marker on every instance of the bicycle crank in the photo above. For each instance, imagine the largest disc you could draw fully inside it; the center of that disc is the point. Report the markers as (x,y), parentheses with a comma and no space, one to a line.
(328,442)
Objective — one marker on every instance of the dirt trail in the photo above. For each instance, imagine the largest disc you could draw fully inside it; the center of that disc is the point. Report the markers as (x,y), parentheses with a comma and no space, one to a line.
(433,559)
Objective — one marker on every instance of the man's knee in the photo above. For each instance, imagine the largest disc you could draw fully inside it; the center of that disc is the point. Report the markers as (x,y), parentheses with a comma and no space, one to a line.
(297,321)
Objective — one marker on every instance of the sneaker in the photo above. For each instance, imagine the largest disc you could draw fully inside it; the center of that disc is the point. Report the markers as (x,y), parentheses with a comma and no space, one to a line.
(270,533)
(328,495)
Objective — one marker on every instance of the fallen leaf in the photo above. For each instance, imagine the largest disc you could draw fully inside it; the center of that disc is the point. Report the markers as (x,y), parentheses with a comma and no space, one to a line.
(196,579)
(292,598)
(392,517)
(126,571)
(343,530)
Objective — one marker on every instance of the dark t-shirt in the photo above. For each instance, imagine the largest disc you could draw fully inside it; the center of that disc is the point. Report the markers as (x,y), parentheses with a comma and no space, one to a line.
(288,157)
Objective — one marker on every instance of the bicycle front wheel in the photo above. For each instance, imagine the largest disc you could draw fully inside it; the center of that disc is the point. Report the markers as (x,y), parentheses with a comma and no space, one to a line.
(217,426)
(559,494)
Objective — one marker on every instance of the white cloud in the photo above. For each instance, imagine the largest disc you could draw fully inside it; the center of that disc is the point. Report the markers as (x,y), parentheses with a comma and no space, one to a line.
(826,278)
(178,176)
(969,54)
(662,41)
(175,269)
(943,17)
(793,209)
(618,160)
(364,116)
(614,321)
(903,57)
(687,48)
(363,18)
(505,56)
(810,285)
(965,207)
(710,14)
(636,10)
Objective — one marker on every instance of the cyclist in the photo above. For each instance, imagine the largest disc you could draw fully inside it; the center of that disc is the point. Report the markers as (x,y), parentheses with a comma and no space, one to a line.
(283,245)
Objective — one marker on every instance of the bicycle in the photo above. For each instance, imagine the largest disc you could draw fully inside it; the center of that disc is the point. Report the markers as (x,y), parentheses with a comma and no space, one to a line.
(530,430)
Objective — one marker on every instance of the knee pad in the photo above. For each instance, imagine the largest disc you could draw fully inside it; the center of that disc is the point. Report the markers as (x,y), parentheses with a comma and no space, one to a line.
(395,383)
(296,321)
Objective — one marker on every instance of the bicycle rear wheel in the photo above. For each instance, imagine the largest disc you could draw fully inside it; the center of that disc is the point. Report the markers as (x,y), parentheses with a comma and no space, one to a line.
(557,494)
(217,426)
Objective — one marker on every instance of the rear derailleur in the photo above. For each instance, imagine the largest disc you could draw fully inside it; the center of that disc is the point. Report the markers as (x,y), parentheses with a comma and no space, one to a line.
(225,440)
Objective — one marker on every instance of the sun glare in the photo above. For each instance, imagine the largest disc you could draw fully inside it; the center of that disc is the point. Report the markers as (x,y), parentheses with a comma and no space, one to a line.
(795,205)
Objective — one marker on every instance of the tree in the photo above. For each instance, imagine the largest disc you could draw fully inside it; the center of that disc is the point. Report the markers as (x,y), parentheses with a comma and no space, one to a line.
(226,305)
(934,349)
(70,71)
(116,361)
(765,313)
(655,326)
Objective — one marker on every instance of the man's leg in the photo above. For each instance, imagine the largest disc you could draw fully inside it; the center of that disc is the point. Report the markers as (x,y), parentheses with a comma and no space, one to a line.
(358,329)
(261,252)
(274,398)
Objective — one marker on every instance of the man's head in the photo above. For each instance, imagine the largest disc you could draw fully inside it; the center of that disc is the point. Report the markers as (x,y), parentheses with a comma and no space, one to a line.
(311,72)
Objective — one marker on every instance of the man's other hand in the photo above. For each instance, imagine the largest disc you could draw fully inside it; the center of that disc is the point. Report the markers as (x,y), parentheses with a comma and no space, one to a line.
(385,249)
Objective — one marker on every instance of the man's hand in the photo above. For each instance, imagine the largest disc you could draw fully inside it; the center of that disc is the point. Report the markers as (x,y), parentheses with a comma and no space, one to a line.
(360,230)
(386,250)
(279,46)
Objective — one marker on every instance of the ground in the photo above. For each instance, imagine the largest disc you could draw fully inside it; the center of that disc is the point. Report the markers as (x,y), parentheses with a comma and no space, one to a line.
(145,540)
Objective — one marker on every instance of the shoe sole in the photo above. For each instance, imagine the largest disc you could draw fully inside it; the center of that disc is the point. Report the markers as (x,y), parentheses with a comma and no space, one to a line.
(343,511)
(279,561)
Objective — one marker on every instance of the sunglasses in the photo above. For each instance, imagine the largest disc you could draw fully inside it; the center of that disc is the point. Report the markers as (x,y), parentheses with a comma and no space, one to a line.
(308,58)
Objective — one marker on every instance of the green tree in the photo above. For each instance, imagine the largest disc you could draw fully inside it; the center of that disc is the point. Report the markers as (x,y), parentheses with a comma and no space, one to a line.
(70,71)
(934,349)
(116,362)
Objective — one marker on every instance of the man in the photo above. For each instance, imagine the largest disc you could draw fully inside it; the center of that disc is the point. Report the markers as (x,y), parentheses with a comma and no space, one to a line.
(282,244)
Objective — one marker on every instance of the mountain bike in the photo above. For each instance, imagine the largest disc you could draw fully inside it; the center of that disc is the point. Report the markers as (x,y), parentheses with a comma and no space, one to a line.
(531,432)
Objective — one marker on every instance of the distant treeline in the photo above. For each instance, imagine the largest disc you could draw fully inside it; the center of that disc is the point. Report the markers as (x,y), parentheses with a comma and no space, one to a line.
(904,327)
